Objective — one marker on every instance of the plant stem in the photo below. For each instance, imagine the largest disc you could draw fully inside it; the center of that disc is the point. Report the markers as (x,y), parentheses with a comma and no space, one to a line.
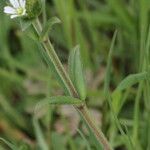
(59,67)
(70,87)
(91,123)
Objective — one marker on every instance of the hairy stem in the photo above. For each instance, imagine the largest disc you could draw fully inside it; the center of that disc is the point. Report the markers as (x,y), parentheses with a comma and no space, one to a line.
(70,87)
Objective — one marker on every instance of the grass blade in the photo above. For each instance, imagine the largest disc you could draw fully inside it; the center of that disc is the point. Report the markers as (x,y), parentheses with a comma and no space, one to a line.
(39,135)
(108,95)
(131,80)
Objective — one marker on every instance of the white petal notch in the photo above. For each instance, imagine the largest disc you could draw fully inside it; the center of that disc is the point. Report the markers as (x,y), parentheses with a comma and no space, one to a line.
(16,8)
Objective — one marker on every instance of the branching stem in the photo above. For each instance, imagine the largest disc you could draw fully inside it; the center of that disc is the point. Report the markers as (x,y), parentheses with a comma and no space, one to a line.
(70,87)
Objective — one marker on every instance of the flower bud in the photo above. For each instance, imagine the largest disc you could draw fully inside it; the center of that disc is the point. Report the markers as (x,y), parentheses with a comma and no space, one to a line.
(33,8)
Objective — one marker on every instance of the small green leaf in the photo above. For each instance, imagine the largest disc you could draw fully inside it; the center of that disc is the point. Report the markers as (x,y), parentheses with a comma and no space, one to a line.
(76,72)
(49,26)
(131,80)
(10,145)
(59,100)
(39,135)
(25,23)
(79,76)
(71,64)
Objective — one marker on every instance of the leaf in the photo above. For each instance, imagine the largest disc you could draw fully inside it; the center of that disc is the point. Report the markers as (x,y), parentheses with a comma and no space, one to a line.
(59,100)
(50,23)
(108,95)
(131,80)
(39,135)
(109,62)
(71,64)
(25,23)
(10,145)
(76,72)
(79,76)
(116,100)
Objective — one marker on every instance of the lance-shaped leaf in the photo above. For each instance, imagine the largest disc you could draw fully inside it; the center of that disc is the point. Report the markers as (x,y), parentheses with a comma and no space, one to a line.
(50,23)
(58,100)
(131,80)
(71,64)
(76,72)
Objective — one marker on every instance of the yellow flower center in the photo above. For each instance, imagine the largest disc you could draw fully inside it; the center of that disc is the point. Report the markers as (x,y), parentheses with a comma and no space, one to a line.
(20,11)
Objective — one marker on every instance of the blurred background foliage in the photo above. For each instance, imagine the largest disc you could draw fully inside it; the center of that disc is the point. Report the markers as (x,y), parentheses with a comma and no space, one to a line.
(25,78)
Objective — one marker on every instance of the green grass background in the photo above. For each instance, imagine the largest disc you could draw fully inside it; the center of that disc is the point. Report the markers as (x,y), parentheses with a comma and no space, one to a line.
(25,78)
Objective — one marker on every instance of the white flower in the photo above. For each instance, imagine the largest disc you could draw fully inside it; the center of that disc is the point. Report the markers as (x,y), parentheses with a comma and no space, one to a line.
(17,8)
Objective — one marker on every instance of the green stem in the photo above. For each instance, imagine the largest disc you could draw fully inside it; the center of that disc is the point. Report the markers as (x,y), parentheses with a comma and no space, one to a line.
(70,87)
(59,67)
(91,124)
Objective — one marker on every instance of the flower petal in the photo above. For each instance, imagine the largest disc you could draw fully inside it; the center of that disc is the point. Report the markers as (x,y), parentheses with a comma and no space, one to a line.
(22,3)
(9,10)
(15,3)
(14,16)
